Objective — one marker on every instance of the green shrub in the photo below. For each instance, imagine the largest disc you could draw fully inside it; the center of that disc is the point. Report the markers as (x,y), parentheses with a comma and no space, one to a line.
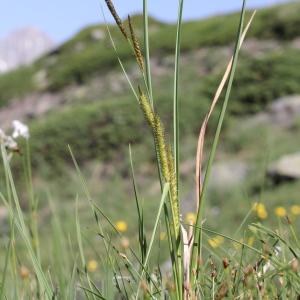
(261,80)
(16,84)
(93,131)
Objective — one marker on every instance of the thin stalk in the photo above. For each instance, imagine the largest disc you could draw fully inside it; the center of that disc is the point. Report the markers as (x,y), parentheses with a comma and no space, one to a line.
(4,274)
(32,202)
(172,245)
(175,99)
(13,257)
(176,131)
(147,51)
(142,235)
(162,202)
(18,218)
(80,246)
(200,212)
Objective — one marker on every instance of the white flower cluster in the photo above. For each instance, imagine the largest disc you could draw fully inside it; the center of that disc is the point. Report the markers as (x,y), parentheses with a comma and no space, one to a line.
(19,130)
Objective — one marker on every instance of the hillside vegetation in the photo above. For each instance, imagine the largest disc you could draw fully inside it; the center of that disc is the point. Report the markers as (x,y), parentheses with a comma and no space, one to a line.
(90,52)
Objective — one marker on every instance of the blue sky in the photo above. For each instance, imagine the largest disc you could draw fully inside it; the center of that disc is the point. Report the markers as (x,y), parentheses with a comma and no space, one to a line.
(62,18)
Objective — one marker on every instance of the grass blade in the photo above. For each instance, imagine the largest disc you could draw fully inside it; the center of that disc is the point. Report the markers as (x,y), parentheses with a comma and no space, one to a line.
(161,205)
(175,99)
(147,51)
(4,274)
(20,224)
(200,211)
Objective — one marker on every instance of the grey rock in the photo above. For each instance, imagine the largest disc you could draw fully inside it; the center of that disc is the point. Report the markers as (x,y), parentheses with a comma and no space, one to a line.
(285,110)
(228,174)
(98,34)
(286,167)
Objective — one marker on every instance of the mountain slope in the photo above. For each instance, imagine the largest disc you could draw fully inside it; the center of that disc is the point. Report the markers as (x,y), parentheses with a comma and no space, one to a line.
(62,87)
(89,52)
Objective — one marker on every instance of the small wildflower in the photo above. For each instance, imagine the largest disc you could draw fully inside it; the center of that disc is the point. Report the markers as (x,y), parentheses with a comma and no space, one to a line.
(20,130)
(24,272)
(190,218)
(261,211)
(280,211)
(216,241)
(125,243)
(121,226)
(295,210)
(163,236)
(92,266)
(8,141)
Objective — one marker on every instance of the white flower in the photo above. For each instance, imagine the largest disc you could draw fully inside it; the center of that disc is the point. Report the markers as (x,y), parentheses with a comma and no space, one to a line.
(10,143)
(7,141)
(20,129)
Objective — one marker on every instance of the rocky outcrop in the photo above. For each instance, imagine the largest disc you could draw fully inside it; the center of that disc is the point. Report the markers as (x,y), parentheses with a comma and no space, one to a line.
(22,47)
(285,110)
(227,174)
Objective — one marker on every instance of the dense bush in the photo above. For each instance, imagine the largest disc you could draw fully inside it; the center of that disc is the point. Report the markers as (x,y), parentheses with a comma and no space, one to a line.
(16,84)
(93,131)
(261,80)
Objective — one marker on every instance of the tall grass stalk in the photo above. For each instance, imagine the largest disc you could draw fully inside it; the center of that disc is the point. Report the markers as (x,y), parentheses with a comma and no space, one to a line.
(200,212)
(154,231)
(176,89)
(147,51)
(5,273)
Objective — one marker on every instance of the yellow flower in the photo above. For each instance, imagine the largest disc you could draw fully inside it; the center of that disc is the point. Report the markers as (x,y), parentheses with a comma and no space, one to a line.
(121,226)
(190,218)
(295,210)
(216,241)
(261,211)
(125,243)
(162,236)
(92,266)
(280,211)
(24,272)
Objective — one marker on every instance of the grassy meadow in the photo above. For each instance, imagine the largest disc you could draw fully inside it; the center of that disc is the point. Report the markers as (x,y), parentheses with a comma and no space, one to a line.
(145,175)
